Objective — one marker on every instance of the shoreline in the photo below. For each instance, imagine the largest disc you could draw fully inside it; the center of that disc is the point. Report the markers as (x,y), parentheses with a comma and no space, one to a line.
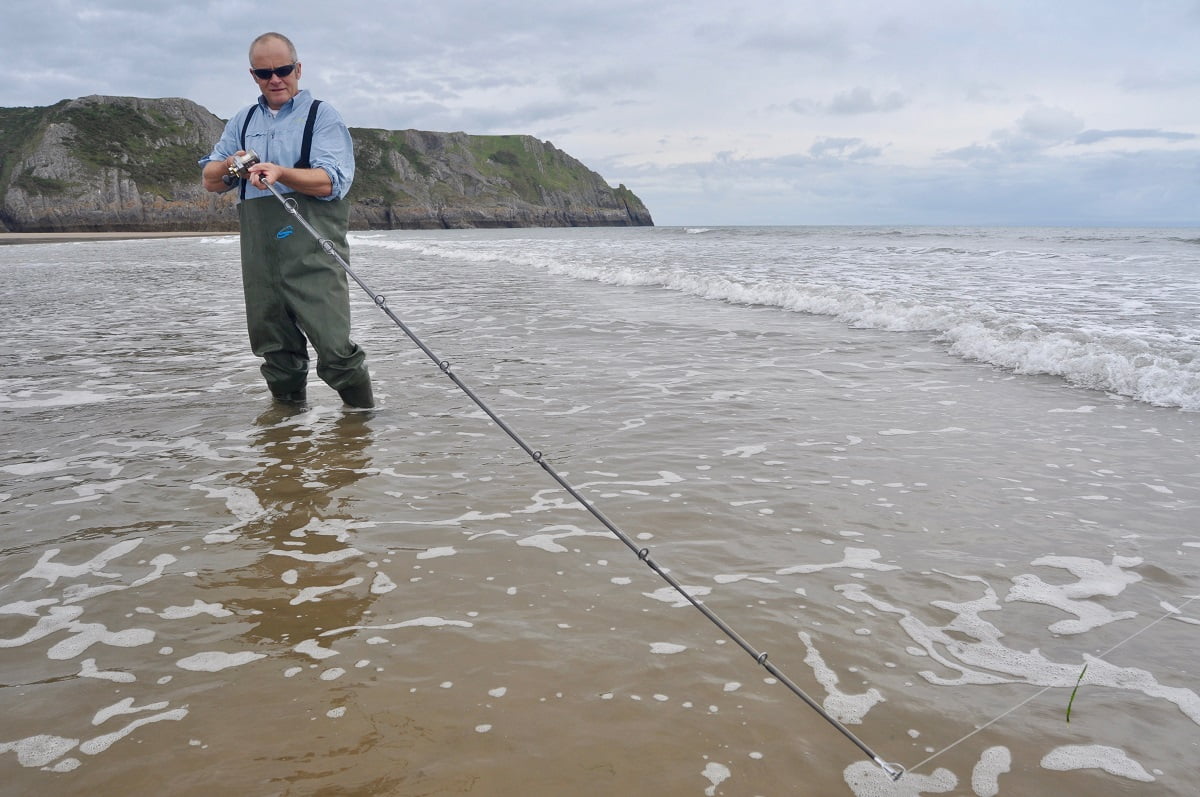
(62,237)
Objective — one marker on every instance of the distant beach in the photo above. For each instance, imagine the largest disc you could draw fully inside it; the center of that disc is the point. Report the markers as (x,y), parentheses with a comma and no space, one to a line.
(61,237)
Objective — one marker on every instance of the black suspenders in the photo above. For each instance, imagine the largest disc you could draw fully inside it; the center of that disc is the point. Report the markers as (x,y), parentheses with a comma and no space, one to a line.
(305,146)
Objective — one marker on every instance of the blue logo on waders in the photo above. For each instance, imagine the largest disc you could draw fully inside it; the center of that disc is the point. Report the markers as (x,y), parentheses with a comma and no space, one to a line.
(285,232)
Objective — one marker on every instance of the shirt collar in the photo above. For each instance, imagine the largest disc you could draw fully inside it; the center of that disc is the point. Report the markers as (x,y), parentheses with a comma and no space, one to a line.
(287,106)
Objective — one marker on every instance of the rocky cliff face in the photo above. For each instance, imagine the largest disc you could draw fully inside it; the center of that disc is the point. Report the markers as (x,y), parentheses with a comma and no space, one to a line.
(123,164)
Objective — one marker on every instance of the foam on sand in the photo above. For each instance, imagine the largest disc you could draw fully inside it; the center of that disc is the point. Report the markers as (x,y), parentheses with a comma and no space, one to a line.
(853,558)
(1095,756)
(215,661)
(985,778)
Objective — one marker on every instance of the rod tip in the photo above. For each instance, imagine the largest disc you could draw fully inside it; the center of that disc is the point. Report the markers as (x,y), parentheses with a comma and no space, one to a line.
(894,771)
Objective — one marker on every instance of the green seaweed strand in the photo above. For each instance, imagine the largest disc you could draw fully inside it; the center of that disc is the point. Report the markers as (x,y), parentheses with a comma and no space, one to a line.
(1074,692)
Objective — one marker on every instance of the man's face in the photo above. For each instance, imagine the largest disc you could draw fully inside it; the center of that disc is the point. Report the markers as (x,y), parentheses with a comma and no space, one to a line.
(271,54)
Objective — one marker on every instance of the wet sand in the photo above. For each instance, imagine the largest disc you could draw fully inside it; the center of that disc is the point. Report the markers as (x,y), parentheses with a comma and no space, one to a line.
(206,593)
(66,237)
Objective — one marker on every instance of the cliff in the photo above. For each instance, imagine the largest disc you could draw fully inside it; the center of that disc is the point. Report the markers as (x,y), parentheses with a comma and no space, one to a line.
(124,164)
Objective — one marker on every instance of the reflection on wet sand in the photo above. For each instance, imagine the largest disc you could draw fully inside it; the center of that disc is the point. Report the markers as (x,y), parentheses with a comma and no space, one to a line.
(308,576)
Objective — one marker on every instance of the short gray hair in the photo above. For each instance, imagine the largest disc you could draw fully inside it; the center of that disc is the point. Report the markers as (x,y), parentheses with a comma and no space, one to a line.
(272,35)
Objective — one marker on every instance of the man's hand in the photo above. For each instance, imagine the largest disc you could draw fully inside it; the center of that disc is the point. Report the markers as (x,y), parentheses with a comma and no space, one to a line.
(215,173)
(264,174)
(313,182)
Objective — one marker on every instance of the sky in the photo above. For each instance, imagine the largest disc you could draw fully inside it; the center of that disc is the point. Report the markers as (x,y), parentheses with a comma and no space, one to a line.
(714,112)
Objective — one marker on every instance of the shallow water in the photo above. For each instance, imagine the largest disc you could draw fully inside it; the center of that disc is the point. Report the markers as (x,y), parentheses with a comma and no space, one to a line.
(202,593)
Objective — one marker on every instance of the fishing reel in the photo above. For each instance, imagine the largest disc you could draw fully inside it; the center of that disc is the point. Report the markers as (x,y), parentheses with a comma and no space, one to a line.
(240,168)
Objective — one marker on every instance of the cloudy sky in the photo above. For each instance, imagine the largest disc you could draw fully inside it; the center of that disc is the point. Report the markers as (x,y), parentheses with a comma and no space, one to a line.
(1055,112)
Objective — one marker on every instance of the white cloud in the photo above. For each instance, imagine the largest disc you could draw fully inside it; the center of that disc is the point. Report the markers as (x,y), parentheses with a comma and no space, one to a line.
(1094,136)
(862,100)
(853,148)
(1048,125)
(886,111)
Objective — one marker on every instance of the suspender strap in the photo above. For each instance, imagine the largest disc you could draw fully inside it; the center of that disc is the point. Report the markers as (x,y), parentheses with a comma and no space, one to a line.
(305,146)
(245,127)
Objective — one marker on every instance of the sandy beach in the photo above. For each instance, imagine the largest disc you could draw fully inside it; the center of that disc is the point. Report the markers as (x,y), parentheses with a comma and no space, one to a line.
(202,592)
(63,237)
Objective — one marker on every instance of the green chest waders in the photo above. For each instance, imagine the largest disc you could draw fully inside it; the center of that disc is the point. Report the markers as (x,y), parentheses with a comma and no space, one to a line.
(296,295)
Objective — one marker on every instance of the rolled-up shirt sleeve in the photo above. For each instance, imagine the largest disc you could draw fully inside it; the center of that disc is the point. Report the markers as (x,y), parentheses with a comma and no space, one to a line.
(333,150)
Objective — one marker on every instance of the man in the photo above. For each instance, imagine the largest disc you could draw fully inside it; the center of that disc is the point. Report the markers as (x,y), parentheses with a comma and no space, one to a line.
(295,292)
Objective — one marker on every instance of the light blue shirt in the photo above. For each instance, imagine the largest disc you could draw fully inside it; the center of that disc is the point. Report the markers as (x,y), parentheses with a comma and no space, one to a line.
(279,138)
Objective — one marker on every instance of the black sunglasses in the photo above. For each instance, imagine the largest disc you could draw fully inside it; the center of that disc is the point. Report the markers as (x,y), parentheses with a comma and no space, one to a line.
(281,71)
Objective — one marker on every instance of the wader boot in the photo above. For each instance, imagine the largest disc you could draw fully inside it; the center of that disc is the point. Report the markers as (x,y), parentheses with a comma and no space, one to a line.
(295,397)
(359,396)
(297,294)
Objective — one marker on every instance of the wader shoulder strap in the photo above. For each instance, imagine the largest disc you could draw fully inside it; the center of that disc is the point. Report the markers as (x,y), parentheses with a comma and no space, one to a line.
(245,127)
(306,146)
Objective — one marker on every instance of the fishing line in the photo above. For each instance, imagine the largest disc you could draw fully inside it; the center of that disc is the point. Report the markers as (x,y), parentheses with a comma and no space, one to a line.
(894,771)
(1174,610)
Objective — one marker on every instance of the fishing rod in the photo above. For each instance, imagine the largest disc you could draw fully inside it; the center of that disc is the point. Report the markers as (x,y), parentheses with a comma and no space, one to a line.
(240,168)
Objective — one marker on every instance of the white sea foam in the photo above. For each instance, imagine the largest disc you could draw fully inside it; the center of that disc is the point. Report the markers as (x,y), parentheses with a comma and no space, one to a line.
(867,779)
(198,607)
(419,622)
(242,503)
(986,660)
(745,452)
(92,491)
(36,468)
(1095,579)
(716,774)
(101,743)
(27,608)
(671,595)
(89,670)
(124,707)
(1094,756)
(331,557)
(215,661)
(1127,329)
(310,647)
(732,579)
(29,399)
(338,528)
(548,538)
(847,708)
(853,558)
(39,750)
(82,635)
(51,571)
(315,594)
(985,777)
(437,553)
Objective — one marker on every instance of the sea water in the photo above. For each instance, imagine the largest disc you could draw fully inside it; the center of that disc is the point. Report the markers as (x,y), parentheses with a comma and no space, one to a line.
(934,473)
